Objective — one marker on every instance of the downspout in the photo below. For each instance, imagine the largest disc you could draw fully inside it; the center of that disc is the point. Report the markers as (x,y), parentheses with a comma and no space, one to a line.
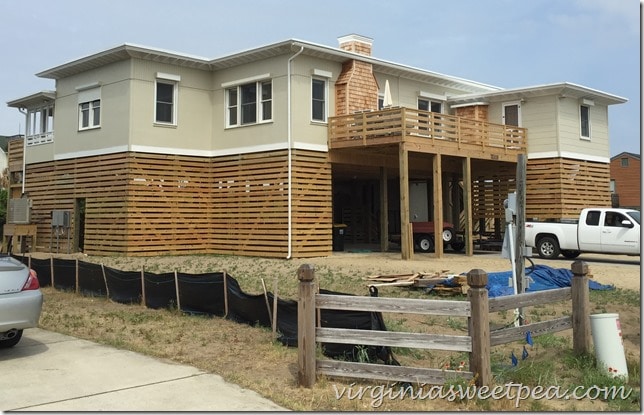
(290,154)
(24,152)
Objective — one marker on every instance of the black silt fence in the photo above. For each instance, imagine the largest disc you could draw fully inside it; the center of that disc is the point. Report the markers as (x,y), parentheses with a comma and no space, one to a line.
(214,294)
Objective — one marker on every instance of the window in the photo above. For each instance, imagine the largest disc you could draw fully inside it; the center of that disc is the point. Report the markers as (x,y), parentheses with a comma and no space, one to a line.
(584,115)
(318,99)
(89,114)
(592,218)
(250,103)
(427,105)
(624,162)
(614,219)
(166,98)
(40,125)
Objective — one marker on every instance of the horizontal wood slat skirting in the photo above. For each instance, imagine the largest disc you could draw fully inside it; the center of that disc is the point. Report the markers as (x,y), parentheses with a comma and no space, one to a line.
(559,188)
(145,204)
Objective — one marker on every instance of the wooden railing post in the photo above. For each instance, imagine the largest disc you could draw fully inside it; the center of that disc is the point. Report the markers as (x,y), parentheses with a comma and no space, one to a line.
(479,327)
(580,308)
(306,326)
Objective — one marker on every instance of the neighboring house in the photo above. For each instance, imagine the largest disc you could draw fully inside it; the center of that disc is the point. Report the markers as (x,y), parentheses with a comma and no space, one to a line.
(626,180)
(261,152)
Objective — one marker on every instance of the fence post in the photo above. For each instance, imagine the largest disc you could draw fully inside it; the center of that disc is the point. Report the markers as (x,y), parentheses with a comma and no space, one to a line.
(306,326)
(479,327)
(580,308)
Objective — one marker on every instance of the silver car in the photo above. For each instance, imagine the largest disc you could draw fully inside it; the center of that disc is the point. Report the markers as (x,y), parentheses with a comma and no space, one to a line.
(20,300)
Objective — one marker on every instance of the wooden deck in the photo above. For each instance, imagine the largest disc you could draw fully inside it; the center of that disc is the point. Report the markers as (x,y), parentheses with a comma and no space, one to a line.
(428,132)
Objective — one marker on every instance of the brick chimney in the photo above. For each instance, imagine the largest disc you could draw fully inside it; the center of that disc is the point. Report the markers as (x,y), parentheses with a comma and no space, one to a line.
(356,88)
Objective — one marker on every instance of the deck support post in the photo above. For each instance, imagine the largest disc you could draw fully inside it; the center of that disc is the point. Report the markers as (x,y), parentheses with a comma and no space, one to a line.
(437,167)
(406,236)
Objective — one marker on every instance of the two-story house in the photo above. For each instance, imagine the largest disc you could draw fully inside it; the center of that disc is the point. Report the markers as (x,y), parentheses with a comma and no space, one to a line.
(626,180)
(260,152)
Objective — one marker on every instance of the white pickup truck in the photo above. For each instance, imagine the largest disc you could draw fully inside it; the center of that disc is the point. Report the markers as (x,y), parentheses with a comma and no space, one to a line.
(599,230)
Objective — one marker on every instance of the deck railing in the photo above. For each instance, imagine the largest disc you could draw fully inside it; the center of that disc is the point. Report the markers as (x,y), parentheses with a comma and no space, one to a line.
(405,124)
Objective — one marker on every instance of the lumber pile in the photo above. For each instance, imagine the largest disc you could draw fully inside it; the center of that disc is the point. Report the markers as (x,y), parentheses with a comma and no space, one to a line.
(440,282)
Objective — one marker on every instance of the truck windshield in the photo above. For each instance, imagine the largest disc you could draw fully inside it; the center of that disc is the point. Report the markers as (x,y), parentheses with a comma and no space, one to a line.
(635,214)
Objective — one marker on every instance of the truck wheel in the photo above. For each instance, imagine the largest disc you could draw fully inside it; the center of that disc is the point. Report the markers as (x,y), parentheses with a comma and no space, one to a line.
(448,235)
(548,247)
(570,254)
(458,245)
(425,243)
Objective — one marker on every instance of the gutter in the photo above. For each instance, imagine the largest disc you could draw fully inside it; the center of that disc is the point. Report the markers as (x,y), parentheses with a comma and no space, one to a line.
(290,154)
(24,152)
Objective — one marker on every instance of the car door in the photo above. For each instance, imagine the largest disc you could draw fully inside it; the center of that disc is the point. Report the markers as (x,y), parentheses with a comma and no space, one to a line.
(616,237)
(589,231)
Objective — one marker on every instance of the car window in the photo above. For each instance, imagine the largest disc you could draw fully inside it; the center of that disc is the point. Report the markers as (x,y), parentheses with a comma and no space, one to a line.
(592,218)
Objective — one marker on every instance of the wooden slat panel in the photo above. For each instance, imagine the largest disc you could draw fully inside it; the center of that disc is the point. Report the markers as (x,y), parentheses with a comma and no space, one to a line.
(536,329)
(529,299)
(389,373)
(393,305)
(394,339)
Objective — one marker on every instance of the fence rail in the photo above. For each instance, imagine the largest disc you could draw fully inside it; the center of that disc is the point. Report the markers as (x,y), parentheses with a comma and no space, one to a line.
(477,343)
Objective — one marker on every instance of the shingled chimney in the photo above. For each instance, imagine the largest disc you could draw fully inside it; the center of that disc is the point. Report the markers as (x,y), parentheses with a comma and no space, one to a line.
(356,88)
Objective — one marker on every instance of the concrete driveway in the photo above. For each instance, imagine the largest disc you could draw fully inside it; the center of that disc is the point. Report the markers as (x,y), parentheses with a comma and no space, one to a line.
(48,371)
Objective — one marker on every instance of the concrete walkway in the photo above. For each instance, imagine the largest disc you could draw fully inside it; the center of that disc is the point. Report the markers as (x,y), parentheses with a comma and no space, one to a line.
(48,371)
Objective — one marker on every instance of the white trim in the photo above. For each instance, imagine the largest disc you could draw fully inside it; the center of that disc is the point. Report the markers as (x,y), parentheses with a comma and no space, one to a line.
(248,80)
(430,95)
(170,150)
(321,73)
(470,104)
(88,153)
(323,148)
(88,86)
(567,155)
(168,76)
(589,102)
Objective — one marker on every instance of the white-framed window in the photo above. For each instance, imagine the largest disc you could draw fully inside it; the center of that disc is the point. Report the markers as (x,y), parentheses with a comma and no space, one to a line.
(89,106)
(584,121)
(249,103)
(430,105)
(319,109)
(89,114)
(165,101)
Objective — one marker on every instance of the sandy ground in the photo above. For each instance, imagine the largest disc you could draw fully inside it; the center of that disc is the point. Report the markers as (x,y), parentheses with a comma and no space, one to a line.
(618,270)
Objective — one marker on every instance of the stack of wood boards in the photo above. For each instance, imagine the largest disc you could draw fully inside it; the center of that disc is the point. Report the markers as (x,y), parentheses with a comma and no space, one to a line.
(440,282)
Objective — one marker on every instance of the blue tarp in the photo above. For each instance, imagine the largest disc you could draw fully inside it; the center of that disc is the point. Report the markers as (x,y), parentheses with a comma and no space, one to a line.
(543,278)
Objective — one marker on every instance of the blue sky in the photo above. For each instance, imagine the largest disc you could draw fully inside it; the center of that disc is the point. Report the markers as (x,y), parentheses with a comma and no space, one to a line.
(506,43)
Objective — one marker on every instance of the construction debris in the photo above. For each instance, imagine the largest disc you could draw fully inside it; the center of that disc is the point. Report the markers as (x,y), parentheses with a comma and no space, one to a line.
(440,282)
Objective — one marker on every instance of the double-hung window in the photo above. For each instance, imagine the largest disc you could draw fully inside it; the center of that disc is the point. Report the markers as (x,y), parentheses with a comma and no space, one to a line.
(165,98)
(249,103)
(89,106)
(89,114)
(318,99)
(584,117)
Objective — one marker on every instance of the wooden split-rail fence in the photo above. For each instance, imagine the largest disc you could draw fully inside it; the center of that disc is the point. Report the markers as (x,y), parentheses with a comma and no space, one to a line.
(477,343)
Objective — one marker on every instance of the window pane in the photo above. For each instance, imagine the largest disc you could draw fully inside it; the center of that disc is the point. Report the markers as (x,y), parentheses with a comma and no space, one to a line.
(164,112)
(585,121)
(318,105)
(165,100)
(436,107)
(267,110)
(232,116)
(232,97)
(96,113)
(248,103)
(267,92)
(232,106)
(164,92)
(267,102)
(84,112)
(423,105)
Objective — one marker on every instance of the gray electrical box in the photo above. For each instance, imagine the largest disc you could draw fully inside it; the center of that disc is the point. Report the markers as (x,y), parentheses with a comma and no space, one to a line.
(60,218)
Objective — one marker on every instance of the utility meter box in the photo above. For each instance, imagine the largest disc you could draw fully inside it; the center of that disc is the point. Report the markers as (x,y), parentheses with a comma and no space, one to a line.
(60,218)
